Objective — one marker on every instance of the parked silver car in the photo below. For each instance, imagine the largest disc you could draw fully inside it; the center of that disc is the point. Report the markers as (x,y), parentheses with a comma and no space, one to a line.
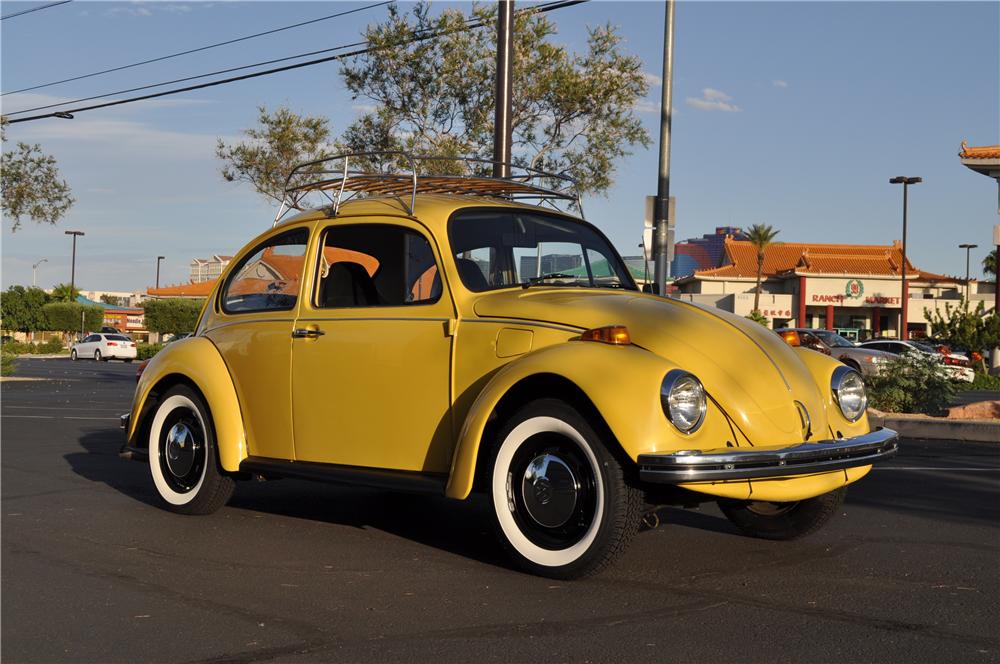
(866,360)
(957,366)
(104,347)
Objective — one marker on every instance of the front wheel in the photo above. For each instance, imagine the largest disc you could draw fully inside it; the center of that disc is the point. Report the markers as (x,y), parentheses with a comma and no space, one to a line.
(182,455)
(560,502)
(97,356)
(783,521)
(72,355)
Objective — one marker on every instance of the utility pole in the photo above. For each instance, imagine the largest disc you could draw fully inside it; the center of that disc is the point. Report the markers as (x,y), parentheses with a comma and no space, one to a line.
(34,271)
(72,274)
(158,259)
(504,81)
(903,294)
(662,223)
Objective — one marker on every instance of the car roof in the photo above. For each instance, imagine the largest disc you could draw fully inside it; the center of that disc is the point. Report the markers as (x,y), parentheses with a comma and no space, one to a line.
(432,210)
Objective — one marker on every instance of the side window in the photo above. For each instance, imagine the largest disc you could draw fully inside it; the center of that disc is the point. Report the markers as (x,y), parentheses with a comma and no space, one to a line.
(376,265)
(268,278)
(92,338)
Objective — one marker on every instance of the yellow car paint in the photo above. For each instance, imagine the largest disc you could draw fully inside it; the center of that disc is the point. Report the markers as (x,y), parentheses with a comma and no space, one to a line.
(412,388)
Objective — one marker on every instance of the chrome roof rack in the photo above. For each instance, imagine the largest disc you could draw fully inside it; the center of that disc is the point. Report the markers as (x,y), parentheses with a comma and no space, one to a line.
(402,176)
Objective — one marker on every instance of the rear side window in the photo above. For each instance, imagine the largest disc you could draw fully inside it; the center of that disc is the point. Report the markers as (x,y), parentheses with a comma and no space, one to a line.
(268,278)
(376,265)
(116,337)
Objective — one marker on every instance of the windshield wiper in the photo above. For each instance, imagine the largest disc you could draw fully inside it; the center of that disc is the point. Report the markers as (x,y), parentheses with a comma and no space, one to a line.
(532,281)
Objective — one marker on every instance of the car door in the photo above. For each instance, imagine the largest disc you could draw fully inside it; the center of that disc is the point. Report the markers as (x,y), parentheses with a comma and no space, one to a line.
(252,328)
(87,347)
(371,364)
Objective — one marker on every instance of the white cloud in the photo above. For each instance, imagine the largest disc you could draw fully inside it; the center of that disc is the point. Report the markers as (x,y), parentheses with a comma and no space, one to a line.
(779,83)
(652,79)
(646,106)
(713,100)
(129,11)
(364,108)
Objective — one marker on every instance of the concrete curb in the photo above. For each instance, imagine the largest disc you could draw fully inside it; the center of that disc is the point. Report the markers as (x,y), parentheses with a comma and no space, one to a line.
(924,426)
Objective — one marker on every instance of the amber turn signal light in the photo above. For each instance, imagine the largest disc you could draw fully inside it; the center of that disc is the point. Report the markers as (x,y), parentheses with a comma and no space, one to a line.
(791,337)
(610,334)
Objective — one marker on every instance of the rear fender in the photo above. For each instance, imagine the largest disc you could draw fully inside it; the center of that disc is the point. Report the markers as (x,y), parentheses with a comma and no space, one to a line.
(194,361)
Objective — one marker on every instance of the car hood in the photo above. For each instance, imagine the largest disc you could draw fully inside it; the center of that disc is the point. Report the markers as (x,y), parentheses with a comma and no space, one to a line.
(748,370)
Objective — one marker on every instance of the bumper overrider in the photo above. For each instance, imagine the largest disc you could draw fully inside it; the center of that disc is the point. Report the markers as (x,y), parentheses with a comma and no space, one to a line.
(734,463)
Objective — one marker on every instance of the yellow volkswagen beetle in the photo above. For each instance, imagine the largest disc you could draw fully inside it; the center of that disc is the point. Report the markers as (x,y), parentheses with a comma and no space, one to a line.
(440,334)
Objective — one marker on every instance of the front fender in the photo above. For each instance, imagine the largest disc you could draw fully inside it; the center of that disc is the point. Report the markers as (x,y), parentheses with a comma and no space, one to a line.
(623,384)
(197,361)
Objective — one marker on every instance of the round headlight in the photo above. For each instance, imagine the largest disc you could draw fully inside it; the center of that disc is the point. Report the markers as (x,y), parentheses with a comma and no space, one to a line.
(683,400)
(849,392)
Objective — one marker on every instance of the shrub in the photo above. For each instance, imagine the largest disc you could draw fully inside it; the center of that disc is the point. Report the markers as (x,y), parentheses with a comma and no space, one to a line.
(982,381)
(6,362)
(53,345)
(911,384)
(146,351)
(758,317)
(172,315)
(66,316)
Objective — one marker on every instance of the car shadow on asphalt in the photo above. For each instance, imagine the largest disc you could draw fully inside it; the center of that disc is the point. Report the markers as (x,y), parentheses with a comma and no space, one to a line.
(99,462)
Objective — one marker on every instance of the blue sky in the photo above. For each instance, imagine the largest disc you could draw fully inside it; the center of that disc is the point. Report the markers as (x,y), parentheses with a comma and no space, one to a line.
(793,114)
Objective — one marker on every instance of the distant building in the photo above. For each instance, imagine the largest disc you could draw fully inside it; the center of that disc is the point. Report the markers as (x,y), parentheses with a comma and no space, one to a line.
(702,253)
(208,269)
(854,289)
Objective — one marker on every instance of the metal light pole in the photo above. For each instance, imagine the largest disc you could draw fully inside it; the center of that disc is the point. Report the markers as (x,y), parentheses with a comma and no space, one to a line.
(72,274)
(662,224)
(34,271)
(504,80)
(903,295)
(968,248)
(158,259)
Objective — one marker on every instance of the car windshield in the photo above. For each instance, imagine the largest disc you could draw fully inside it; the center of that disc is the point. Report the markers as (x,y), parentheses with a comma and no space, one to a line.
(501,248)
(833,339)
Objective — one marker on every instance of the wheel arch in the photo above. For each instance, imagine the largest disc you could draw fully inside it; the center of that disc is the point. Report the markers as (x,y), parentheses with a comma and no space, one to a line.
(588,376)
(196,363)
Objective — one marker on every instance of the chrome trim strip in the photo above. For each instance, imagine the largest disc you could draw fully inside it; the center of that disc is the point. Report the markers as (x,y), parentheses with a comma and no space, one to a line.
(759,462)
(523,322)
(336,319)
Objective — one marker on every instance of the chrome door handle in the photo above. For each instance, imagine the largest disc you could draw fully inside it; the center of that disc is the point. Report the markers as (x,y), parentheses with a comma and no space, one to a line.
(306,333)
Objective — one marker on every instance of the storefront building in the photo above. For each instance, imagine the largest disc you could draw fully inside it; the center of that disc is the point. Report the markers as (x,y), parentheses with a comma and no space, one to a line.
(854,289)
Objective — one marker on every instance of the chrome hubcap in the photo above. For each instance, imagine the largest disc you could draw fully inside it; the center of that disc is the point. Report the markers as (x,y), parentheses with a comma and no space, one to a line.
(549,489)
(182,448)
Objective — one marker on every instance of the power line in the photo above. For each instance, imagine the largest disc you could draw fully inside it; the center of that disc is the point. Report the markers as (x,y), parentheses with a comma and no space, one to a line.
(470,24)
(195,50)
(34,9)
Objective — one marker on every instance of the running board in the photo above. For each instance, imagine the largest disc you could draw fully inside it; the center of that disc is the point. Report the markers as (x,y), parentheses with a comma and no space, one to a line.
(376,478)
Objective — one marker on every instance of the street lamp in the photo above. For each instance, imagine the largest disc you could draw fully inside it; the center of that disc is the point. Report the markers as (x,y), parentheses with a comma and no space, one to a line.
(72,274)
(34,271)
(968,248)
(158,259)
(906,182)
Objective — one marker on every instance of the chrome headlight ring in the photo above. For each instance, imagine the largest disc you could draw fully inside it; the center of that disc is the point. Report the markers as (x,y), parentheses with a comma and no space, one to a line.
(849,392)
(683,400)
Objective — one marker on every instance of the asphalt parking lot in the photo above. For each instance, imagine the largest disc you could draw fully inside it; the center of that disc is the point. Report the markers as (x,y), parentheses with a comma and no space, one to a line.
(93,570)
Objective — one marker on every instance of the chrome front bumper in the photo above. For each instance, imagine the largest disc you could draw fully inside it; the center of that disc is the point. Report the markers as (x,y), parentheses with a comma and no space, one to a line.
(741,463)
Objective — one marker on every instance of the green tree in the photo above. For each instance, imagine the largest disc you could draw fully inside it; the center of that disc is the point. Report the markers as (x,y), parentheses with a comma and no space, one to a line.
(761,236)
(30,185)
(282,140)
(990,264)
(21,309)
(959,326)
(66,316)
(61,293)
(172,315)
(572,112)
(758,317)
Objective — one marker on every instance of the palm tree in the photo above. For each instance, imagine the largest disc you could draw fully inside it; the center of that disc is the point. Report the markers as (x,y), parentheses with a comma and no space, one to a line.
(61,293)
(761,236)
(990,263)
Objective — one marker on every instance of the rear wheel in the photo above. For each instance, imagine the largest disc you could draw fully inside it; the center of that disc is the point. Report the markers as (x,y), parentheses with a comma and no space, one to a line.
(783,521)
(561,506)
(182,455)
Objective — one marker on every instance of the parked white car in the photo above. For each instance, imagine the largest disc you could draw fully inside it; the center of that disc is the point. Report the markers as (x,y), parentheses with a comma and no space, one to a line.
(956,366)
(104,347)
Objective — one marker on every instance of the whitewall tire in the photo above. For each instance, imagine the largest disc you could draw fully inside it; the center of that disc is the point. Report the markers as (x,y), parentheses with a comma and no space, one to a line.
(560,502)
(182,455)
